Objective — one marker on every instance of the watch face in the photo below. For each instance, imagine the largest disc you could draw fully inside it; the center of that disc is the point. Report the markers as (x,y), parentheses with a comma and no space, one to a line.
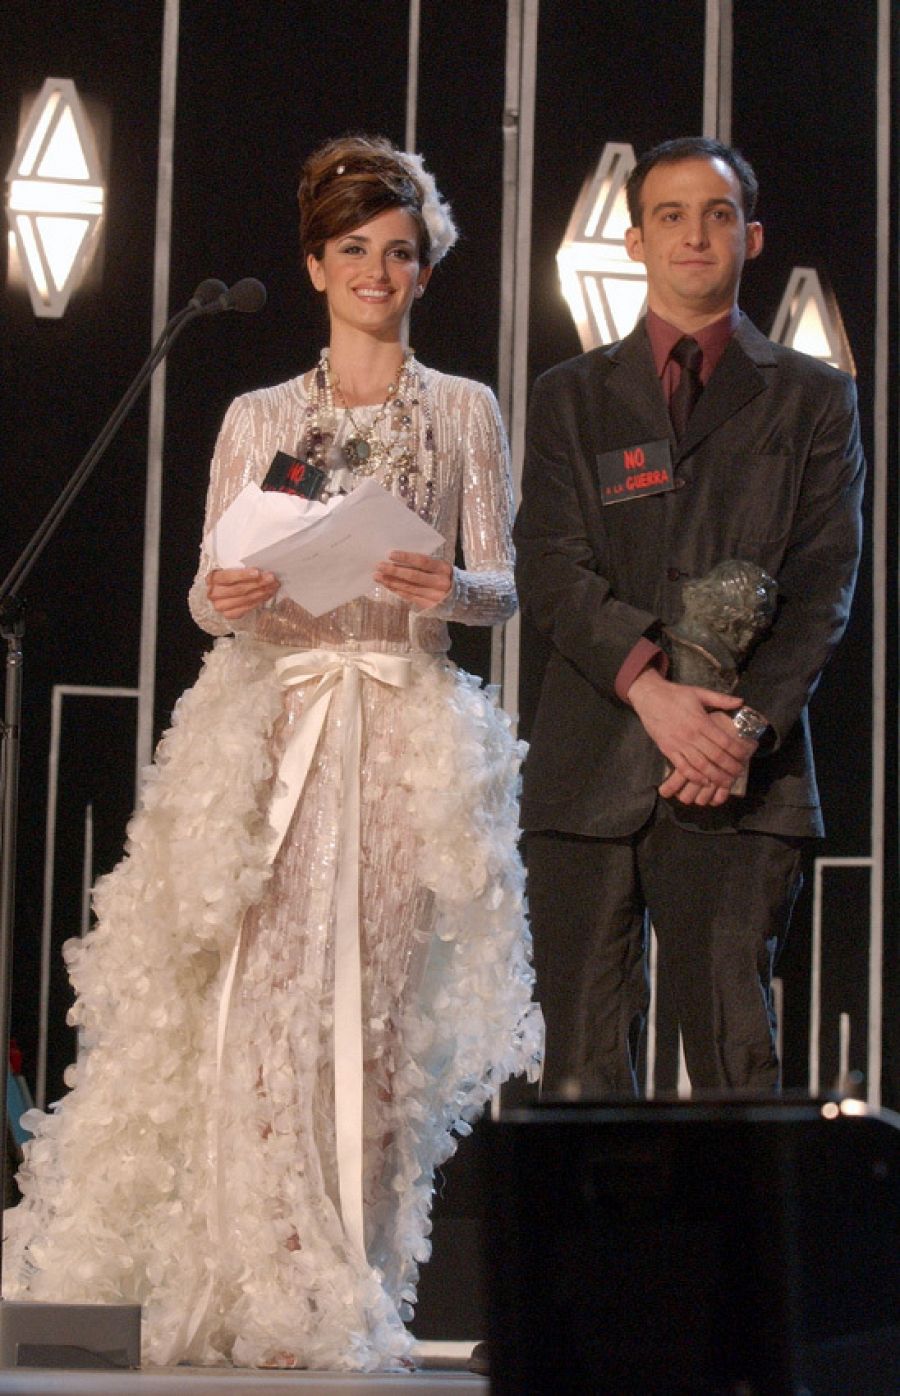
(750,723)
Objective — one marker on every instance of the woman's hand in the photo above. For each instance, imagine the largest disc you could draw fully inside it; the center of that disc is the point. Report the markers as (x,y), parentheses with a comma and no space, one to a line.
(423,581)
(234,591)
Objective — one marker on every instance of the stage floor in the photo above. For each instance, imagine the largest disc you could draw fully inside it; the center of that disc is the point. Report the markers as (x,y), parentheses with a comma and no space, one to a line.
(443,1374)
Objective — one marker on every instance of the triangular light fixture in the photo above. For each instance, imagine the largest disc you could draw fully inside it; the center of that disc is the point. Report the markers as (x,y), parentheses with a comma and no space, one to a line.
(809,319)
(606,291)
(56,196)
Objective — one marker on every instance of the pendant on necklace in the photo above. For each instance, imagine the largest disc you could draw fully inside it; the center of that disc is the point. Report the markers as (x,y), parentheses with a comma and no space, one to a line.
(357,450)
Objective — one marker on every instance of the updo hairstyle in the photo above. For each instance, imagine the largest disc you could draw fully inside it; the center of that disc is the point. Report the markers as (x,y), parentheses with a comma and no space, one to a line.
(350,180)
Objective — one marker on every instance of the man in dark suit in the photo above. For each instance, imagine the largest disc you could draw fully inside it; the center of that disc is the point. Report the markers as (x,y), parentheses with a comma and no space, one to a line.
(692,441)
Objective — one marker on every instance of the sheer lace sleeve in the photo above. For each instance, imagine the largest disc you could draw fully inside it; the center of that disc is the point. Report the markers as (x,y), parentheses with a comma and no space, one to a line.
(484,590)
(234,464)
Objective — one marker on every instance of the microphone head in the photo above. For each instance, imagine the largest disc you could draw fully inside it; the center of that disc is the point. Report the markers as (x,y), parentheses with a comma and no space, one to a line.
(210,295)
(248,296)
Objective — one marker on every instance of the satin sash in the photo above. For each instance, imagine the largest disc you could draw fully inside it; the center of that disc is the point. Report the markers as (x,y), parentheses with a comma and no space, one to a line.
(329,670)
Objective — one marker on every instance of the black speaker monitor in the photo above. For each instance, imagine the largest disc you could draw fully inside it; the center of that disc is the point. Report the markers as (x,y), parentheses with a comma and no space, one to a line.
(694,1248)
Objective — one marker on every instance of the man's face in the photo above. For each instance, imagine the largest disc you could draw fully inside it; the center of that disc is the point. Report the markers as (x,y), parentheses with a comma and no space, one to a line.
(693,239)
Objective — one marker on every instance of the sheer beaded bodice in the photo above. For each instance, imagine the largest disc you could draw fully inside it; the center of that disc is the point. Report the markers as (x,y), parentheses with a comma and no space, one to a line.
(471,497)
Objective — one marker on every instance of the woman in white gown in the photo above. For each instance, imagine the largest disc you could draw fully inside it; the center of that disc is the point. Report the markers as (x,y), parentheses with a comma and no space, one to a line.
(282,1034)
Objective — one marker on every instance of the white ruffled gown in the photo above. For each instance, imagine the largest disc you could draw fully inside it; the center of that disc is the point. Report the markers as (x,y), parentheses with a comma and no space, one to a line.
(194,1166)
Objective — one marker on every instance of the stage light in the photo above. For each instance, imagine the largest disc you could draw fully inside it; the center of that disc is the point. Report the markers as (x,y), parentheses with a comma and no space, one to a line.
(809,319)
(55,197)
(606,292)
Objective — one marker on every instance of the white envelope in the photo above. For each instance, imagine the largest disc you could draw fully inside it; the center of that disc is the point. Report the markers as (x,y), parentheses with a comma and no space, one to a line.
(326,553)
(256,518)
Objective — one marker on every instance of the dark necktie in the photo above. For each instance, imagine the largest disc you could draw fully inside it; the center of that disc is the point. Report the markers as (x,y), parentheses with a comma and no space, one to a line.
(689,355)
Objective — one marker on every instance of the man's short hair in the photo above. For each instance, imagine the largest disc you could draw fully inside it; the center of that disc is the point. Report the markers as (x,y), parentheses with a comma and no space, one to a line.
(691,148)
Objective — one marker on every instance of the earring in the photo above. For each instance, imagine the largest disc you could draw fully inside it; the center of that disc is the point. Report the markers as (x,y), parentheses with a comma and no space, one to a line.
(420,291)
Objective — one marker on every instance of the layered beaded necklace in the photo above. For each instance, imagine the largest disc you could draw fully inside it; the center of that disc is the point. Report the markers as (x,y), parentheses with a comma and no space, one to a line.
(398,442)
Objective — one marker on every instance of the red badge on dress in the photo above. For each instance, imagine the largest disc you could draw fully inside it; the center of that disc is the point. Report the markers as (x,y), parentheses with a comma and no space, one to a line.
(290,475)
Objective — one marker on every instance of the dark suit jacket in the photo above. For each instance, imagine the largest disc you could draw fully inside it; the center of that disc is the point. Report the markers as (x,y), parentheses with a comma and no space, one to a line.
(770,470)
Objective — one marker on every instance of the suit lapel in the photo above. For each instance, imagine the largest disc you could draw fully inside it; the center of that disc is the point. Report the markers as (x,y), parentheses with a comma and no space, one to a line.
(632,379)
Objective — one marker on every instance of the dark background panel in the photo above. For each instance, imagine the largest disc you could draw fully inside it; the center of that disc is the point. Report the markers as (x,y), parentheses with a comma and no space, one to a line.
(60,380)
(805,116)
(892,680)
(817,202)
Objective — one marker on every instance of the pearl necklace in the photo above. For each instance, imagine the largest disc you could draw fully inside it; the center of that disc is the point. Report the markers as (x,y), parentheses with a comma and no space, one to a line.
(399,434)
(367,452)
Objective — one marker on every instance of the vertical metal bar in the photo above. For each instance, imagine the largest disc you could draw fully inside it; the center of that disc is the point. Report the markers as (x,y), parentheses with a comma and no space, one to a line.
(525,180)
(40,1082)
(726,47)
(412,74)
(59,692)
(156,431)
(884,109)
(87,870)
(815,975)
(843,1081)
(778,1005)
(504,636)
(515,263)
(510,178)
(711,69)
(12,629)
(717,62)
(815,980)
(683,1089)
(512,370)
(652,971)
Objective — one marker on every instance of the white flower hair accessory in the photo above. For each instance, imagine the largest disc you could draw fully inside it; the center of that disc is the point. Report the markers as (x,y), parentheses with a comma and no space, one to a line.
(436,211)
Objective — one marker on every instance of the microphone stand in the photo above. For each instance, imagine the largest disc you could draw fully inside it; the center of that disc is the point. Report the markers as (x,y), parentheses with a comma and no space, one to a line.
(210,297)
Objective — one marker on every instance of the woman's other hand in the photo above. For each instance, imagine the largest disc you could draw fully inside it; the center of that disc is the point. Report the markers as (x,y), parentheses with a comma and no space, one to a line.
(234,591)
(420,580)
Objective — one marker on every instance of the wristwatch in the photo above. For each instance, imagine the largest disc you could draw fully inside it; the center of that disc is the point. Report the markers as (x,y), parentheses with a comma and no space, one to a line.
(749,723)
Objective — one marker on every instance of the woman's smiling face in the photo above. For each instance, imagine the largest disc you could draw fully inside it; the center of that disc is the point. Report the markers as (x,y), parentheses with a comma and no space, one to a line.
(370,276)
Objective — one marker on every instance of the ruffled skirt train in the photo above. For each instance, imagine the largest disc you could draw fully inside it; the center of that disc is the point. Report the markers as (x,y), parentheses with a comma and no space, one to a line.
(193,1165)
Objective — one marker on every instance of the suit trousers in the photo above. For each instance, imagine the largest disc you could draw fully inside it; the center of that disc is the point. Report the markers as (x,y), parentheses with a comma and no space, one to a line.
(720,904)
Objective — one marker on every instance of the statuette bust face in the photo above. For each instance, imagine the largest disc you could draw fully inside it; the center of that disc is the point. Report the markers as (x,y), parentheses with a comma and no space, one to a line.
(734,601)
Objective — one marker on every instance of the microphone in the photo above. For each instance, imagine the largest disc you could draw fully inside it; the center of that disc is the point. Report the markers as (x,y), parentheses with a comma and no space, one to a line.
(213,296)
(247,296)
(207,294)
